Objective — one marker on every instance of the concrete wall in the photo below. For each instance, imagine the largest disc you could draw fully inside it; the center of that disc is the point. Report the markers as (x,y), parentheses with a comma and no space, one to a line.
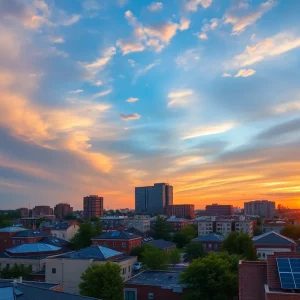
(66,234)
(67,272)
(36,264)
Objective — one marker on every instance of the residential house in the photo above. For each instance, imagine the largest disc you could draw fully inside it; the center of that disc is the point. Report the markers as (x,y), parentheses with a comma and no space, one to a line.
(140,223)
(66,269)
(65,230)
(118,240)
(211,242)
(113,223)
(270,242)
(6,234)
(160,244)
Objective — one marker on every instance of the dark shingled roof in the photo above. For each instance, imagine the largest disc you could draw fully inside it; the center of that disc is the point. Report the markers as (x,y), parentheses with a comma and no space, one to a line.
(30,233)
(54,241)
(209,238)
(61,226)
(116,235)
(273,238)
(25,291)
(161,244)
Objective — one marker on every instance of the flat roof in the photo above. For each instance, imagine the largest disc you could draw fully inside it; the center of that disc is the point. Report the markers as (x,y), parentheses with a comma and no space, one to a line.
(164,279)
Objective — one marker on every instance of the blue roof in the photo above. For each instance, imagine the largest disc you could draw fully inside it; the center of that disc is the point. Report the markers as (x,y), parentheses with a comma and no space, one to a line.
(116,235)
(33,248)
(92,252)
(61,226)
(12,229)
(54,241)
(30,233)
(7,293)
(209,238)
(161,244)
(273,238)
(177,220)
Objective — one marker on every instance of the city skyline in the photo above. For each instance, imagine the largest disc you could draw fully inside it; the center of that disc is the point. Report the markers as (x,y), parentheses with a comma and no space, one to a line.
(100,97)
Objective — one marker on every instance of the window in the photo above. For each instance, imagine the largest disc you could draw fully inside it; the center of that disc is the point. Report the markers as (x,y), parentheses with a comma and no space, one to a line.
(130,295)
(128,268)
(209,246)
(105,244)
(114,244)
(216,246)
(264,255)
(53,270)
(124,270)
(123,245)
(7,266)
(150,296)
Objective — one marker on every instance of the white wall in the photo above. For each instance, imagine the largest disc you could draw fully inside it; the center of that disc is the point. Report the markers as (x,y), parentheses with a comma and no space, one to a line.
(263,252)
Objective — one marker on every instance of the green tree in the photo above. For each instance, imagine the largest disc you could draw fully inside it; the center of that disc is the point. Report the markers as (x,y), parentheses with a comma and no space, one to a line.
(155,259)
(82,238)
(5,223)
(138,251)
(161,229)
(193,250)
(102,281)
(213,277)
(240,244)
(174,256)
(291,231)
(180,239)
(190,231)
(16,271)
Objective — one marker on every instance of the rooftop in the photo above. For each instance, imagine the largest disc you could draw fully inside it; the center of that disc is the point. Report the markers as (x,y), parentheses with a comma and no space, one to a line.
(33,248)
(30,233)
(174,219)
(54,241)
(12,229)
(116,235)
(273,238)
(209,238)
(61,226)
(92,252)
(165,279)
(27,291)
(161,244)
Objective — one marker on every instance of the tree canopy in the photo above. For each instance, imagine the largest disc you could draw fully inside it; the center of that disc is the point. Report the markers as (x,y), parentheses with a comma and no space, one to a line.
(161,229)
(16,271)
(155,259)
(138,251)
(193,250)
(291,231)
(102,281)
(214,277)
(174,256)
(185,236)
(240,244)
(82,238)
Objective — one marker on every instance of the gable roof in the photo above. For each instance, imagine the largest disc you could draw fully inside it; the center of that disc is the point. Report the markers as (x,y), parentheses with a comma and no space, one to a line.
(273,238)
(33,248)
(161,244)
(30,233)
(92,252)
(116,235)
(25,291)
(209,238)
(61,226)
(12,229)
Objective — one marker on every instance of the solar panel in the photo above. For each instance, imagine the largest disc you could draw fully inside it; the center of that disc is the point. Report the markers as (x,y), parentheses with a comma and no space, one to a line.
(289,272)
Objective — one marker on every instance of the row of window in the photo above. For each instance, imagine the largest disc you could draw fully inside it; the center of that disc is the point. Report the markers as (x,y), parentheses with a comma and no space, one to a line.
(124,270)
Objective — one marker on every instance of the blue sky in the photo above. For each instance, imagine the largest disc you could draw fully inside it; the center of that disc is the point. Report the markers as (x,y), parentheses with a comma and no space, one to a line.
(98,97)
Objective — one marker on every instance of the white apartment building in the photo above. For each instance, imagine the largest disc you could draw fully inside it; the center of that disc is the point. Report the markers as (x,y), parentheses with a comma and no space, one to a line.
(140,223)
(205,227)
(223,228)
(245,226)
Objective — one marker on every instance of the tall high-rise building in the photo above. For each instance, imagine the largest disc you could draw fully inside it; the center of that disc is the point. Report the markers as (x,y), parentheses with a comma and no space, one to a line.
(62,209)
(153,199)
(92,206)
(262,208)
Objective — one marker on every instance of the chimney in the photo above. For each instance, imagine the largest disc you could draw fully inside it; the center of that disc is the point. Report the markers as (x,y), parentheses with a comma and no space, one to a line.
(20,279)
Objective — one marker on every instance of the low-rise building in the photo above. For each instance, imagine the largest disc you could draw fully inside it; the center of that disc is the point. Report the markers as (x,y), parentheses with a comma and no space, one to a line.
(224,227)
(66,269)
(160,244)
(206,227)
(244,226)
(270,242)
(118,240)
(158,285)
(140,223)
(177,224)
(275,224)
(65,230)
(273,279)
(28,236)
(113,223)
(6,234)
(181,210)
(211,242)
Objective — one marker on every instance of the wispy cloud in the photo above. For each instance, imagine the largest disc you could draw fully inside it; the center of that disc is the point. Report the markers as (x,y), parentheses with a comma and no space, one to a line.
(155,6)
(132,99)
(132,62)
(179,97)
(129,46)
(144,70)
(75,92)
(57,39)
(226,75)
(102,94)
(184,24)
(71,20)
(192,5)
(245,73)
(292,106)
(209,130)
(267,48)
(188,59)
(130,117)
(91,5)
(240,18)
(212,25)
(202,36)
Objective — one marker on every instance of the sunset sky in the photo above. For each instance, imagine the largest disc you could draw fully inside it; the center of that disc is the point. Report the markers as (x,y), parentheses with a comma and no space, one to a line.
(100,96)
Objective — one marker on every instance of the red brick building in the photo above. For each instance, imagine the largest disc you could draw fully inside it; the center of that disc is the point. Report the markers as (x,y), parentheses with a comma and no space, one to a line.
(118,240)
(158,285)
(211,242)
(177,224)
(93,207)
(62,210)
(181,211)
(260,280)
(219,210)
(42,210)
